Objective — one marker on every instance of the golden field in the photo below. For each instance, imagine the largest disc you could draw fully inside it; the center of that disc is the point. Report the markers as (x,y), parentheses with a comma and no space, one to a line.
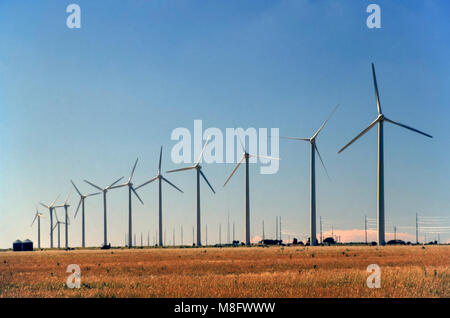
(340,271)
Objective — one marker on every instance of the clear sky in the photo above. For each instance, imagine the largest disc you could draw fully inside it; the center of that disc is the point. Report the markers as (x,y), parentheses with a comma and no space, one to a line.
(84,103)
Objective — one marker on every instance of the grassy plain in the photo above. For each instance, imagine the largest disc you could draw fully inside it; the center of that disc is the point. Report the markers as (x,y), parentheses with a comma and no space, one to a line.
(340,271)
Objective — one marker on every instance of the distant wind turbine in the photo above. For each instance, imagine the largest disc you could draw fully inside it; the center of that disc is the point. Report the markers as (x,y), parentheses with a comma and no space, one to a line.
(66,223)
(160,178)
(58,222)
(380,120)
(50,209)
(246,156)
(104,190)
(81,202)
(38,216)
(130,191)
(312,202)
(198,168)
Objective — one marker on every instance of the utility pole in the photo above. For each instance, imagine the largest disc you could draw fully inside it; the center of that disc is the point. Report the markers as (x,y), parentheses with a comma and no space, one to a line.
(395,233)
(365,226)
(141,240)
(148,238)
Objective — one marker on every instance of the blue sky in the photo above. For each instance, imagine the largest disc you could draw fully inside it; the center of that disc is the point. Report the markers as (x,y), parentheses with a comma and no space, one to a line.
(83,104)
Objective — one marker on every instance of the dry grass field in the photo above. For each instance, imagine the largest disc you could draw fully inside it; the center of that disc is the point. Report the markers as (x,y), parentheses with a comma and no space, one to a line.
(406,271)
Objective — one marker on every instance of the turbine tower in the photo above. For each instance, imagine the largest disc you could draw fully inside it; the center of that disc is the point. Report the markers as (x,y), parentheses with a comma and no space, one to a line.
(198,168)
(312,187)
(246,156)
(379,122)
(130,191)
(50,209)
(104,190)
(81,202)
(38,216)
(160,179)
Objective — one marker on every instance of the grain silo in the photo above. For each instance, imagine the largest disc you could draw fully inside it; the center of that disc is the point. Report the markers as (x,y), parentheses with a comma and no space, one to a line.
(17,245)
(27,245)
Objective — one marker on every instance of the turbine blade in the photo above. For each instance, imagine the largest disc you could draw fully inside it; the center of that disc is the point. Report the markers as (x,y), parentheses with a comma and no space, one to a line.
(204,147)
(182,169)
(135,193)
(78,207)
(234,170)
(160,159)
(207,181)
(265,157)
(114,182)
(67,198)
(323,165)
(44,205)
(295,138)
(145,183)
(132,171)
(407,127)
(55,200)
(76,188)
(92,194)
(172,184)
(376,89)
(93,185)
(35,217)
(324,123)
(360,134)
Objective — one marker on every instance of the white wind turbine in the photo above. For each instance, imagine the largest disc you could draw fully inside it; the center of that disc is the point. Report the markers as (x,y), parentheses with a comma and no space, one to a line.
(380,120)
(246,156)
(104,190)
(50,209)
(198,168)
(58,222)
(160,178)
(312,203)
(130,191)
(66,223)
(81,202)
(38,216)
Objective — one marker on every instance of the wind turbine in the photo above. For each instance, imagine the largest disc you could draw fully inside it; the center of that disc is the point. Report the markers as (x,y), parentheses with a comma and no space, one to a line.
(81,202)
(312,187)
(246,156)
(104,190)
(38,216)
(380,120)
(66,223)
(50,209)
(130,190)
(198,168)
(160,178)
(58,222)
